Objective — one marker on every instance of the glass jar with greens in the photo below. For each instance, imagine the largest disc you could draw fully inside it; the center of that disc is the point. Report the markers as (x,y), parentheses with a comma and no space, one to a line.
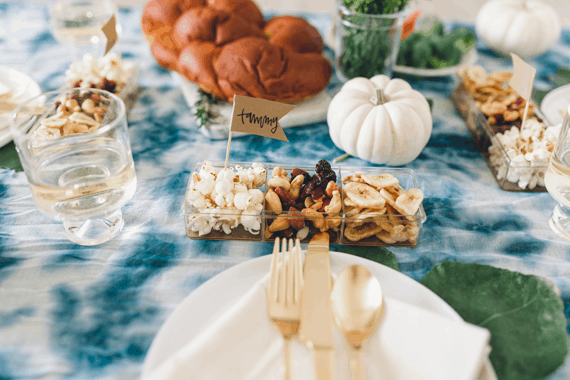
(367,44)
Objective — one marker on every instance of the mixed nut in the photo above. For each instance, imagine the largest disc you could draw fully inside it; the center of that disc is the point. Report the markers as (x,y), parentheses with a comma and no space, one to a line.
(376,205)
(500,104)
(80,113)
(303,198)
(367,209)
(108,73)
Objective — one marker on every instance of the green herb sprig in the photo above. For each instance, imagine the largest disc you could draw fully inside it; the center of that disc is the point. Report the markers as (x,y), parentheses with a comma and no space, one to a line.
(203,114)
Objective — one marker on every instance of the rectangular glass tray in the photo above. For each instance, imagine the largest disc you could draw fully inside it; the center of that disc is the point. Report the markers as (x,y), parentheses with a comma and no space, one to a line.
(484,136)
(406,179)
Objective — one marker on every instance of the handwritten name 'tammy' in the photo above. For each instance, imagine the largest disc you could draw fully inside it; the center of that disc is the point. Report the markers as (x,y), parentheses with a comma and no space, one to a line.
(259,120)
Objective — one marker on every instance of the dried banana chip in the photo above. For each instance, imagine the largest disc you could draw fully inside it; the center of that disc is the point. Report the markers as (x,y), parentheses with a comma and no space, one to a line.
(380,181)
(364,195)
(386,237)
(361,232)
(410,201)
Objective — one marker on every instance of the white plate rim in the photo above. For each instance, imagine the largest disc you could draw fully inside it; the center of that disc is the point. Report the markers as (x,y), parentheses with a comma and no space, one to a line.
(337,259)
(468,59)
(33,90)
(548,99)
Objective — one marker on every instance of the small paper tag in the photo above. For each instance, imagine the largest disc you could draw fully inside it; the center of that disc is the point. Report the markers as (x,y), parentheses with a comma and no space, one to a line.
(522,80)
(259,117)
(110,31)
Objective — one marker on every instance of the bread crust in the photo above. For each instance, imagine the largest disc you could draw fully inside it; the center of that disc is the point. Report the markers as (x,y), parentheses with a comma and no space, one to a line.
(227,48)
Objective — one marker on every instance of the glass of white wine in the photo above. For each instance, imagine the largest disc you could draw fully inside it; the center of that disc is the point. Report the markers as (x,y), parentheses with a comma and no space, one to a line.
(75,150)
(557,181)
(79,23)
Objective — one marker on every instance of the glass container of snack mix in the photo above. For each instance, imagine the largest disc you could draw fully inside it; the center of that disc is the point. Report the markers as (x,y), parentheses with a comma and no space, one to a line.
(514,169)
(293,208)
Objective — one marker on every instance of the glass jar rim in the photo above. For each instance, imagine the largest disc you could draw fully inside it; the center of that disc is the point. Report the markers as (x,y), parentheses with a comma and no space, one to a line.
(349,12)
(17,134)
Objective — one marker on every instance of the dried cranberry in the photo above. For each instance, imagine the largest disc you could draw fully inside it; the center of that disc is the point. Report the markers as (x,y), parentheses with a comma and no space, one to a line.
(539,119)
(95,97)
(93,85)
(317,194)
(518,102)
(108,85)
(306,190)
(77,84)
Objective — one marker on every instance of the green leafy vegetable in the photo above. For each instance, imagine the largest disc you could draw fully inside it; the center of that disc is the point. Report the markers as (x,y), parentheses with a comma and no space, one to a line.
(525,317)
(434,49)
(378,254)
(375,7)
(202,112)
(367,43)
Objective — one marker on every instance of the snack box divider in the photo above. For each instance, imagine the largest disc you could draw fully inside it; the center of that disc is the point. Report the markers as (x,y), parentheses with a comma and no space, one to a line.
(483,137)
(406,177)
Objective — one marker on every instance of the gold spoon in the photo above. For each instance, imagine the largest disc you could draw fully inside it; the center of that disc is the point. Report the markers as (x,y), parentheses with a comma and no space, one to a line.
(357,309)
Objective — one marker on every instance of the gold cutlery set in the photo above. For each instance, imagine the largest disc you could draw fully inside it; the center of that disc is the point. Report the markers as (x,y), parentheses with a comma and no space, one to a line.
(305,305)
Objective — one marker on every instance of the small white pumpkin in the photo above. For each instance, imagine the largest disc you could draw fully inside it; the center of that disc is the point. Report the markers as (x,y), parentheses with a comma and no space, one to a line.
(380,120)
(524,27)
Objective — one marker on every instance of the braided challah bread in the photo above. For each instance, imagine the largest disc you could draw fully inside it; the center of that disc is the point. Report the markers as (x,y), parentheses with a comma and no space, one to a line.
(227,48)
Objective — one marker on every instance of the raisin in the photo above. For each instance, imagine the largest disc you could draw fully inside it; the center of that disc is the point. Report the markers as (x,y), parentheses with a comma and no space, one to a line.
(306,190)
(323,166)
(317,194)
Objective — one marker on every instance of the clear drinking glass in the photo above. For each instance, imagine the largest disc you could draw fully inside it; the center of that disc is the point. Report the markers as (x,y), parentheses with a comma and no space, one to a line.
(79,23)
(75,150)
(366,45)
(557,181)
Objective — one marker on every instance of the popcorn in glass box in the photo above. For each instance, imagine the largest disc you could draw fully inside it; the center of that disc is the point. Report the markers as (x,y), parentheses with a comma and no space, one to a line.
(221,200)
(528,150)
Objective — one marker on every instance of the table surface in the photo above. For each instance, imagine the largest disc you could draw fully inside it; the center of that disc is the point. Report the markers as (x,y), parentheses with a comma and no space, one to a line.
(68,311)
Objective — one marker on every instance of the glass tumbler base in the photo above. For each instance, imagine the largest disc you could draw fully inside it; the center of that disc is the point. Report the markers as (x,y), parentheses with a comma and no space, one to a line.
(560,221)
(95,231)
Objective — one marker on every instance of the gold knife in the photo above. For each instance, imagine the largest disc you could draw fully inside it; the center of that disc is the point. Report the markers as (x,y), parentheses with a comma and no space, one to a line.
(316,310)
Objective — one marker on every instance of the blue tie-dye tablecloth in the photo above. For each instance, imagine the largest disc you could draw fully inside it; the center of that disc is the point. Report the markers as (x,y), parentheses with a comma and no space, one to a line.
(68,311)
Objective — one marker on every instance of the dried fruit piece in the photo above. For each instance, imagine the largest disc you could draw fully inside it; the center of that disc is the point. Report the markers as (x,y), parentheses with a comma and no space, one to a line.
(364,195)
(386,237)
(380,181)
(361,232)
(410,201)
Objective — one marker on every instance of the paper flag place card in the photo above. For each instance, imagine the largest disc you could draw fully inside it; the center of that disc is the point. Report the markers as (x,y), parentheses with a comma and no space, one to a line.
(110,31)
(259,117)
(522,80)
(523,77)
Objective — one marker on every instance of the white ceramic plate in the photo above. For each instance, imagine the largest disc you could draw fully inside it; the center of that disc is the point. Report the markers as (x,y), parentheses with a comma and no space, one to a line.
(212,298)
(468,59)
(14,79)
(312,110)
(555,104)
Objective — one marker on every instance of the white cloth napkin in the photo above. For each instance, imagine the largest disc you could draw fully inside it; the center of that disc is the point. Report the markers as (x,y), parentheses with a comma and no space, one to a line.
(410,343)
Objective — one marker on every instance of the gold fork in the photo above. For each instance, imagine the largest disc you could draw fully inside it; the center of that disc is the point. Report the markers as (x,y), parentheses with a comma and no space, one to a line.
(284,295)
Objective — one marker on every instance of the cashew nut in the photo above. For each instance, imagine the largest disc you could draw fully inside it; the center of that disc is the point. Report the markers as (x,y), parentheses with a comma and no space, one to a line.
(279,182)
(336,203)
(296,186)
(331,186)
(309,202)
(316,206)
(279,224)
(71,103)
(279,172)
(316,217)
(88,106)
(273,201)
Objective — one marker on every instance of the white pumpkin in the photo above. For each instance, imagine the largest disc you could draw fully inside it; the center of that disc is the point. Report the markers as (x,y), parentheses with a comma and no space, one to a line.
(524,27)
(380,120)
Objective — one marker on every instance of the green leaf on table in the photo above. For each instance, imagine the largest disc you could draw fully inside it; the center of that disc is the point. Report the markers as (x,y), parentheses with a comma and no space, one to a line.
(9,158)
(378,254)
(524,315)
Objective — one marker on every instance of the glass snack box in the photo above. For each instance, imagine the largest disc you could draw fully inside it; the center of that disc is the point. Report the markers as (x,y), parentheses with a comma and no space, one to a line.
(511,172)
(270,200)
